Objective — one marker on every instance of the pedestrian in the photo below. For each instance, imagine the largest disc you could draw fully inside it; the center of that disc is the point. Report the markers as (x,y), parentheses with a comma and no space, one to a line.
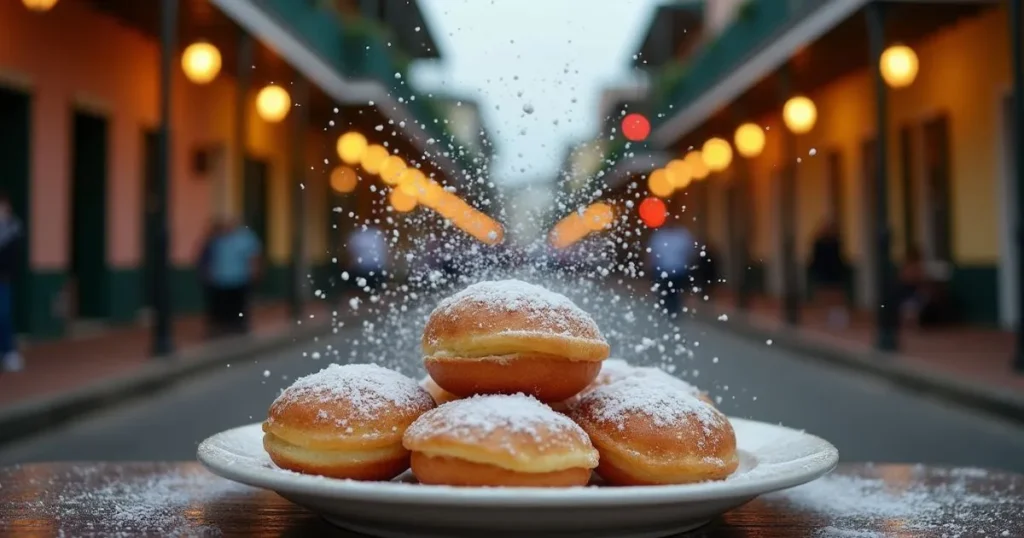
(11,240)
(828,274)
(368,256)
(670,254)
(235,268)
(204,266)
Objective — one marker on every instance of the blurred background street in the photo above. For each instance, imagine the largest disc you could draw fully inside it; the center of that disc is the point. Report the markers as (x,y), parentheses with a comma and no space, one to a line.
(810,209)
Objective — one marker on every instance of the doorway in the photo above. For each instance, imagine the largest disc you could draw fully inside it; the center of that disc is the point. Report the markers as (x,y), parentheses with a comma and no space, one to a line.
(15,180)
(90,297)
(255,207)
(938,190)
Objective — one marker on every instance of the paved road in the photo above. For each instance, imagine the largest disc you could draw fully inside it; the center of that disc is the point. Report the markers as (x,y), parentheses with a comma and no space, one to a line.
(868,419)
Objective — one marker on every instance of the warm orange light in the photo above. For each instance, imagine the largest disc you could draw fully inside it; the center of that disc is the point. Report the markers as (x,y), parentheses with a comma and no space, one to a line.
(273,103)
(659,184)
(749,140)
(343,179)
(598,216)
(698,170)
(568,231)
(401,202)
(679,173)
(201,62)
(899,66)
(653,212)
(351,146)
(39,6)
(716,154)
(412,182)
(432,194)
(799,114)
(391,169)
(373,158)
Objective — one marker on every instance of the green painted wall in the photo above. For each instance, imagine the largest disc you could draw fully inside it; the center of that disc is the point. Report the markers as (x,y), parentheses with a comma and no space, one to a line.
(975,290)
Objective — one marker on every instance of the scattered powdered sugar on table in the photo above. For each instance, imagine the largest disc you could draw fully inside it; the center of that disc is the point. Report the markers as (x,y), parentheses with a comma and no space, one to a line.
(479,417)
(664,401)
(369,387)
(948,508)
(160,505)
(515,295)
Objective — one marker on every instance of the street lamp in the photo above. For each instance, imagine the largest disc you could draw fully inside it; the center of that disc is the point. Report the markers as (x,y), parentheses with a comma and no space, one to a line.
(201,62)
(273,103)
(659,184)
(898,65)
(351,146)
(800,114)
(698,170)
(716,154)
(343,179)
(749,140)
(39,6)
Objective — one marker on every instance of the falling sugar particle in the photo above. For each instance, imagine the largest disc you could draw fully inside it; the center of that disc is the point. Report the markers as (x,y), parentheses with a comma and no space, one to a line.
(528,108)
(769,341)
(266,373)
(813,152)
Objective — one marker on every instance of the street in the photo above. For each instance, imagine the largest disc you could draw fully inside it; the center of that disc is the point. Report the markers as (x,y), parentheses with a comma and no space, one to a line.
(866,418)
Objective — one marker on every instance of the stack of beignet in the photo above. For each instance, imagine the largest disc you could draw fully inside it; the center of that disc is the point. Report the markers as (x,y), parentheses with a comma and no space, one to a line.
(518,394)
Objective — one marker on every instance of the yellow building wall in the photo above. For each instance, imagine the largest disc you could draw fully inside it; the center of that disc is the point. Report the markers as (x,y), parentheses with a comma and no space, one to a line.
(964,73)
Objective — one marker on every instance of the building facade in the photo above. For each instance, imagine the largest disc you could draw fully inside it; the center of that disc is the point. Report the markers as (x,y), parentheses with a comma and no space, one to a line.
(80,116)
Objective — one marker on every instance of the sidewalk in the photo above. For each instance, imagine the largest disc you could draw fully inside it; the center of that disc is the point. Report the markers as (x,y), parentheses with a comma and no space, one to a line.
(971,364)
(68,377)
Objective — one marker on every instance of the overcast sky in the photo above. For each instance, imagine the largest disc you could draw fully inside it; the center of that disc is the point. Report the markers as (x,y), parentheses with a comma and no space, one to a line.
(536,67)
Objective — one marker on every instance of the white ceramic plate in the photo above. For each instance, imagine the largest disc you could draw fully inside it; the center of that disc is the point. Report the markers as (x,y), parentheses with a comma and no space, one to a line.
(771,458)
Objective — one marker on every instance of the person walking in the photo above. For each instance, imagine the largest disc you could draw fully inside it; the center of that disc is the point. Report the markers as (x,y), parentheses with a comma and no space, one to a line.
(670,255)
(204,265)
(11,238)
(828,274)
(368,256)
(235,268)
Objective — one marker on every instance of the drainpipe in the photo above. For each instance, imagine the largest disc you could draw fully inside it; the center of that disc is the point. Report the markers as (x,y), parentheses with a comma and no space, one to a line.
(787,214)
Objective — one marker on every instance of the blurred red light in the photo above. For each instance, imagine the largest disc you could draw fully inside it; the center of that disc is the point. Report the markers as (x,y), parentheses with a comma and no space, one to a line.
(636,127)
(653,212)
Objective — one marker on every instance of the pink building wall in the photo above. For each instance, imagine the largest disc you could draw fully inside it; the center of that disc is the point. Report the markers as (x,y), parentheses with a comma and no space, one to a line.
(74,57)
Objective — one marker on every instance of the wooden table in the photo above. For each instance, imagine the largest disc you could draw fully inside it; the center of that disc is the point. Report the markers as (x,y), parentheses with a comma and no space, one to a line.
(183,499)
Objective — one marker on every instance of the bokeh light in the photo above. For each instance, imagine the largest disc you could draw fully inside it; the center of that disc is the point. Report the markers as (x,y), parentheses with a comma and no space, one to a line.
(653,212)
(351,147)
(373,158)
(717,154)
(749,140)
(201,62)
(39,6)
(698,170)
(273,103)
(899,65)
(401,202)
(343,179)
(679,173)
(635,127)
(799,114)
(598,216)
(391,169)
(659,184)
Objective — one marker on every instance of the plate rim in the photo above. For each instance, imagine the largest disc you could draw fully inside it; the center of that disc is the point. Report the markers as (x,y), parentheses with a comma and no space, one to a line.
(806,468)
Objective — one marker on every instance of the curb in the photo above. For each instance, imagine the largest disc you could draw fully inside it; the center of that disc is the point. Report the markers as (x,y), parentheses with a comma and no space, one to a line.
(45,412)
(1002,402)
